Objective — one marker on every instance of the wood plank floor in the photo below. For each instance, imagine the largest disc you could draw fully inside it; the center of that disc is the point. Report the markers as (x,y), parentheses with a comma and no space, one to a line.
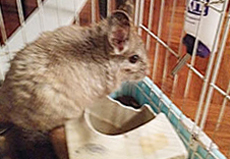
(188,105)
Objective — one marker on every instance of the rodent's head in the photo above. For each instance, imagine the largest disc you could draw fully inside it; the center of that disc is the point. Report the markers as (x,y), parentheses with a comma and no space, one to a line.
(128,48)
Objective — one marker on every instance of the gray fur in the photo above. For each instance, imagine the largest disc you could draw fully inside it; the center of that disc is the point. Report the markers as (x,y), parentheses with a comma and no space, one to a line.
(54,78)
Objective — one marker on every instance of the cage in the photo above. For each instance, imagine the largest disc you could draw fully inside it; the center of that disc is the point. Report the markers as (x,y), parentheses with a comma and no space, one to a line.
(195,100)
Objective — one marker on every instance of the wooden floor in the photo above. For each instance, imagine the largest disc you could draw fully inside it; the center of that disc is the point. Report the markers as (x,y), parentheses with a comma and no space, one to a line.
(187,105)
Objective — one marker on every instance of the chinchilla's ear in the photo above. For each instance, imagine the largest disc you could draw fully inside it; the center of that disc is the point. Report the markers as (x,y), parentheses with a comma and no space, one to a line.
(119,30)
(127,6)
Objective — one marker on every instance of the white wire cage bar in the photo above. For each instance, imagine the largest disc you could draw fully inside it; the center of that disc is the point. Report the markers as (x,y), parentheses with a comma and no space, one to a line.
(158,35)
(41,14)
(21,19)
(93,11)
(157,22)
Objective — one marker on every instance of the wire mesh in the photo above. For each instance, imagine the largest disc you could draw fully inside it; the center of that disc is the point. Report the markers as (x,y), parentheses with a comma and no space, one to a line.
(204,76)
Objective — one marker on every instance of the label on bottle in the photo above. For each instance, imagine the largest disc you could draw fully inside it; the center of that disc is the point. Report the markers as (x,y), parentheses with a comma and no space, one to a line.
(200,13)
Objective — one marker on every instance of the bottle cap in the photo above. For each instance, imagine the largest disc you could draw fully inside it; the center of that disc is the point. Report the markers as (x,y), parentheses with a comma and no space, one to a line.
(202,50)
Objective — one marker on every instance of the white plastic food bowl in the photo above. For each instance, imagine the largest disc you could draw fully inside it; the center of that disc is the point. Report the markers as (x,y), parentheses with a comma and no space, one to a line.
(111,130)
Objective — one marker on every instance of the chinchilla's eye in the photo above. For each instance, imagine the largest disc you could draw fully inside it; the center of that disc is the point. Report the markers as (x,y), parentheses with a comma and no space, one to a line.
(133,59)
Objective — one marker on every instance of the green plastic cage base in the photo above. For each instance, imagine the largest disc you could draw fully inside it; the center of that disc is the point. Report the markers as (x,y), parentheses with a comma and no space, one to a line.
(146,92)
